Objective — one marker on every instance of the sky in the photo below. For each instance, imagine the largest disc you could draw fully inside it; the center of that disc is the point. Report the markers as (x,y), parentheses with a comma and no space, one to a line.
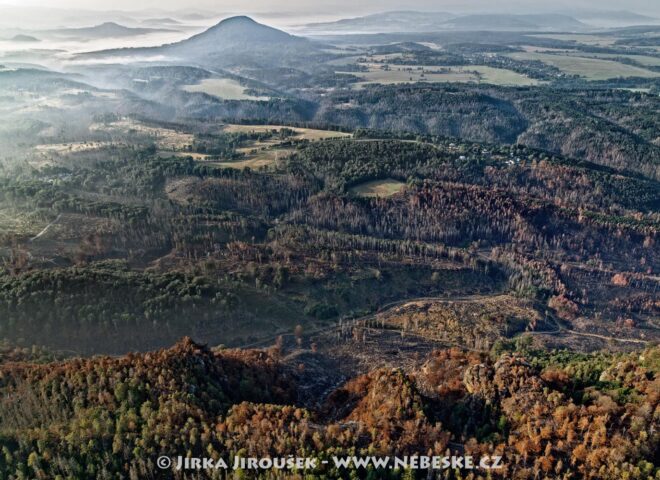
(289,15)
(343,8)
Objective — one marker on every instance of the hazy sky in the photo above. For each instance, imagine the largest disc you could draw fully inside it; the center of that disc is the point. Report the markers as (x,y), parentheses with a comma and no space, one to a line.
(345,7)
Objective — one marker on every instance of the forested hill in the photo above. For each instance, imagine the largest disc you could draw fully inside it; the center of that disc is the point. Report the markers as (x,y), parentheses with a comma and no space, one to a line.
(608,127)
(337,228)
(554,415)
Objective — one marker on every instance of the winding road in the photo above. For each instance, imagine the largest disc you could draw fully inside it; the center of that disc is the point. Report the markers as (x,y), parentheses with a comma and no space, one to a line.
(462,299)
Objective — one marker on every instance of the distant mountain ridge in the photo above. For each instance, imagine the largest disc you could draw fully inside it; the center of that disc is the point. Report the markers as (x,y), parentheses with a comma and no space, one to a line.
(161,21)
(412,21)
(239,41)
(516,22)
(387,22)
(615,18)
(24,38)
(104,30)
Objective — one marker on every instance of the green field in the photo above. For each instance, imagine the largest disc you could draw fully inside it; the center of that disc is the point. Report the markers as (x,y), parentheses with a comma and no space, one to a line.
(589,68)
(222,88)
(645,60)
(501,76)
(378,188)
(438,74)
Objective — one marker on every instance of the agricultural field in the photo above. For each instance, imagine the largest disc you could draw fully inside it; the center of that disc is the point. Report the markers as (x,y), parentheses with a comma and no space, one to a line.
(398,74)
(224,89)
(645,60)
(378,188)
(588,68)
(299,133)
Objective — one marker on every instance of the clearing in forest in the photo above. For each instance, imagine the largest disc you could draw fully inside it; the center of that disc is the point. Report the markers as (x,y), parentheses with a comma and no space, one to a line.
(378,188)
(260,158)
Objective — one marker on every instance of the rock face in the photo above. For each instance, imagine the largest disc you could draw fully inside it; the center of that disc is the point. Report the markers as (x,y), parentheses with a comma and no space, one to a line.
(509,375)
(478,380)
(513,374)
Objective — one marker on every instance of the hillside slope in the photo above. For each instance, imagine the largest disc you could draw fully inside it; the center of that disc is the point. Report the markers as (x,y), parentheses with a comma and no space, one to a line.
(593,416)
